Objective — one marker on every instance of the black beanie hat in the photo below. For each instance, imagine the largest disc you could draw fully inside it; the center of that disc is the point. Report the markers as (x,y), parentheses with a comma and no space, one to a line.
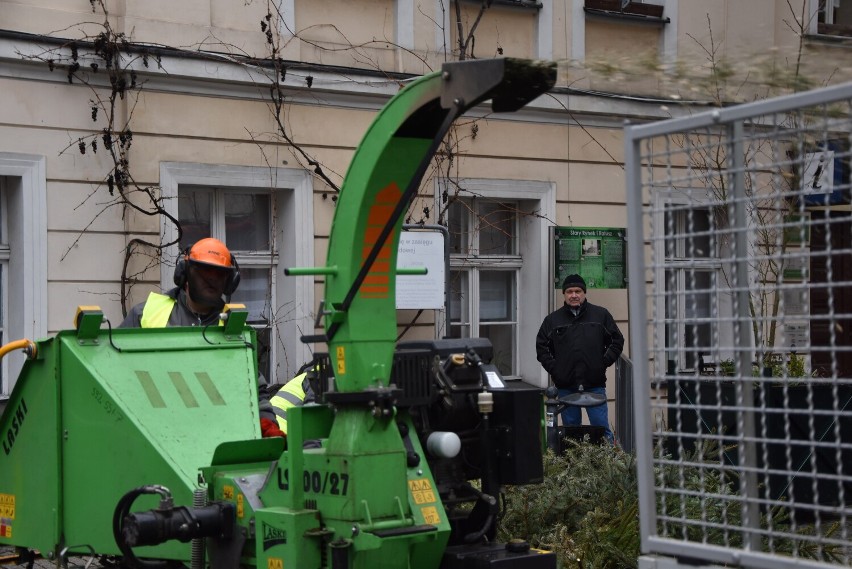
(573,280)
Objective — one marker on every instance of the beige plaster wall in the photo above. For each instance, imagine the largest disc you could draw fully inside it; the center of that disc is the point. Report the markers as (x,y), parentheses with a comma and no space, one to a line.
(753,38)
(47,118)
(215,25)
(509,29)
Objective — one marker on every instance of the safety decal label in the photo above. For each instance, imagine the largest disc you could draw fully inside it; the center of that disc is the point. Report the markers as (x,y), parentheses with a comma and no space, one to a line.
(341,360)
(421,491)
(7,507)
(240,508)
(5,527)
(430,515)
(274,563)
(228,492)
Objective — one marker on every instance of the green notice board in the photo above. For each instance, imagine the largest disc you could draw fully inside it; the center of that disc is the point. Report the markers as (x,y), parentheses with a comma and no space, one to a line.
(598,254)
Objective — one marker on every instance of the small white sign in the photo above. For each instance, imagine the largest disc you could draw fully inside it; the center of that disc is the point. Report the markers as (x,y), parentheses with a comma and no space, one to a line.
(796,336)
(494,381)
(818,173)
(421,249)
(797,301)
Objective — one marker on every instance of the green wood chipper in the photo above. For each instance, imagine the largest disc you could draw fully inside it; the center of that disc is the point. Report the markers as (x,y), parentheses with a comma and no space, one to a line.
(141,447)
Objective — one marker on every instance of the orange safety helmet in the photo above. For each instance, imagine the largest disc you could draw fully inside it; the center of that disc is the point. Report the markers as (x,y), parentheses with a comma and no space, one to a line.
(212,253)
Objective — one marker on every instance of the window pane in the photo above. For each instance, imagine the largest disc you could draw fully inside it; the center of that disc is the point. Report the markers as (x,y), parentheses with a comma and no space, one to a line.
(688,233)
(671,319)
(496,296)
(697,224)
(459,331)
(253,291)
(689,306)
(496,225)
(459,297)
(458,220)
(503,340)
(263,353)
(194,215)
(697,310)
(247,221)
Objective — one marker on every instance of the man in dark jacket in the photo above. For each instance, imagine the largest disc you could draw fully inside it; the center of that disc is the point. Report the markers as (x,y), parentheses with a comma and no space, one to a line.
(575,345)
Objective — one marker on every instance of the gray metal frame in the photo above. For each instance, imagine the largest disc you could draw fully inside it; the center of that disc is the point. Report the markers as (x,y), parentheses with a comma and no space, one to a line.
(694,522)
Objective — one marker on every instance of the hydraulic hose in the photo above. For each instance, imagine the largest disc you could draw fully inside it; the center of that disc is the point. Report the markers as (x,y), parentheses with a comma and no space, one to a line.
(28,346)
(122,509)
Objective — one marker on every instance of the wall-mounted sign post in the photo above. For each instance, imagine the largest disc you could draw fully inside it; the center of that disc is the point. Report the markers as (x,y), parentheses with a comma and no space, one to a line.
(598,254)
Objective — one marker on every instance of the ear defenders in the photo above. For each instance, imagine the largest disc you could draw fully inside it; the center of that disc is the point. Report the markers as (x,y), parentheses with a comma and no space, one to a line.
(182,272)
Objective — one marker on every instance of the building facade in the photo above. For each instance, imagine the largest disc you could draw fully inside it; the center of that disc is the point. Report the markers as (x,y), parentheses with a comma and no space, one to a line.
(239,120)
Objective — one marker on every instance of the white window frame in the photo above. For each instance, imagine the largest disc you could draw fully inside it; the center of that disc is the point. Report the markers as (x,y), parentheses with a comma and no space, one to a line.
(473,264)
(709,263)
(813,19)
(25,283)
(668,47)
(444,14)
(293,245)
(534,295)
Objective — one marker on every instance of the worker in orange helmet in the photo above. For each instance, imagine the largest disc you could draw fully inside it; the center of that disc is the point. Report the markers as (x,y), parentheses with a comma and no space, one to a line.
(204,274)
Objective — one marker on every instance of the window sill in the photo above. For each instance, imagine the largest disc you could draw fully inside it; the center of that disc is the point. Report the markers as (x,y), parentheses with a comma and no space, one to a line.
(832,34)
(525,4)
(834,30)
(634,12)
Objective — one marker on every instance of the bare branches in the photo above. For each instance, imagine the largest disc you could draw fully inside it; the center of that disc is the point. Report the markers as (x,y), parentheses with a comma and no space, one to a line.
(468,40)
(104,63)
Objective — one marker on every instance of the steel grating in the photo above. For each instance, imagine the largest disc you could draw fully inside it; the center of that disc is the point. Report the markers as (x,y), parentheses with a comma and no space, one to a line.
(740,244)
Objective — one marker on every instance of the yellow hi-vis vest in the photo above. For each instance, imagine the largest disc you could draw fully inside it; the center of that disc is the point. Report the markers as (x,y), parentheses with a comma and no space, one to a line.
(289,396)
(157,309)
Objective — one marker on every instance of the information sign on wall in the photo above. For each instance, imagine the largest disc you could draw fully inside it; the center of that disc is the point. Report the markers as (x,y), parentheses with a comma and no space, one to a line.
(598,254)
(421,249)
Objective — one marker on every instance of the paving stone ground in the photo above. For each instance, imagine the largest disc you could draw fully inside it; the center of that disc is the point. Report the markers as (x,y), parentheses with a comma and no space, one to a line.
(41,563)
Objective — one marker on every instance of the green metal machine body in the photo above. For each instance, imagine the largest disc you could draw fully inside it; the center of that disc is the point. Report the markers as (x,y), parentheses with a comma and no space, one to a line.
(100,413)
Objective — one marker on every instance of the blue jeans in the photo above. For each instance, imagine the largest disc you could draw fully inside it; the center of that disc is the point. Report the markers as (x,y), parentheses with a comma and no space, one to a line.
(598,415)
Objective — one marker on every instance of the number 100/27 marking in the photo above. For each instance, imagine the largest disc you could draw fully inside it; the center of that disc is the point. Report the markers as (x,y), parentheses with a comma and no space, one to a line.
(318,482)
(333,483)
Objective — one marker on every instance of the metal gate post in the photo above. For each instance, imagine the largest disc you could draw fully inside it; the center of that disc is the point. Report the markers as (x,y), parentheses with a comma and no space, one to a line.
(745,385)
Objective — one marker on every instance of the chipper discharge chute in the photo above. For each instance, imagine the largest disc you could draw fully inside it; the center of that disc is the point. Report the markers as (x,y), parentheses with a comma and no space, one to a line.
(400,462)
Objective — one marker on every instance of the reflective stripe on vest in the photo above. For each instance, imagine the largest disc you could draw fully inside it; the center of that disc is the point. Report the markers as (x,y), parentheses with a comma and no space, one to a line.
(156,312)
(289,396)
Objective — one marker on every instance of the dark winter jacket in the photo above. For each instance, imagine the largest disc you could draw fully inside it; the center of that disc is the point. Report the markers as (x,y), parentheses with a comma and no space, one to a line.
(576,350)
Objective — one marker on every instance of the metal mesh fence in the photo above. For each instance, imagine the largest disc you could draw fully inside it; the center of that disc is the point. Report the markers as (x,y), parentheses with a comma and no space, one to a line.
(740,243)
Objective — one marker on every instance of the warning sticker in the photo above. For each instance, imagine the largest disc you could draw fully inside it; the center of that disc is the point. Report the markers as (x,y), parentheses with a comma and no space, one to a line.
(430,515)
(421,491)
(274,563)
(240,509)
(7,506)
(5,528)
(228,492)
(341,360)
